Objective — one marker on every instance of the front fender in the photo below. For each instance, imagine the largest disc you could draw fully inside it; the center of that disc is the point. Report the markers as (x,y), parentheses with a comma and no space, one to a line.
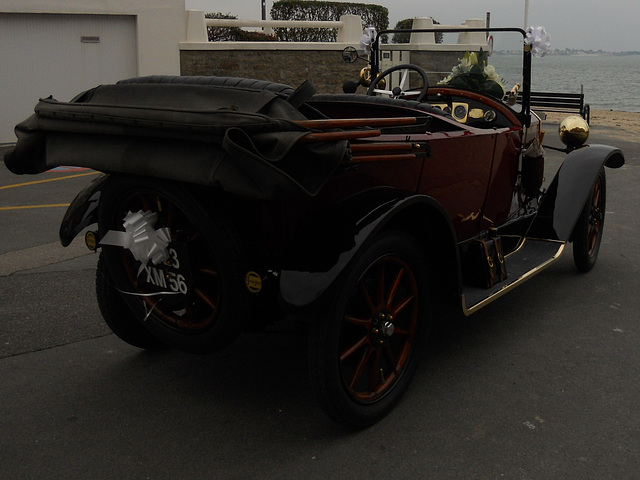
(83,211)
(326,246)
(564,200)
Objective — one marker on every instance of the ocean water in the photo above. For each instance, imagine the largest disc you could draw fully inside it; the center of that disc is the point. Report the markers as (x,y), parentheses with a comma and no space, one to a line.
(611,82)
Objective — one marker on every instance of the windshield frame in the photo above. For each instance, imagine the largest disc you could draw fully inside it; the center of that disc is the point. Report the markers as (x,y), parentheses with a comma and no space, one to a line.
(525,114)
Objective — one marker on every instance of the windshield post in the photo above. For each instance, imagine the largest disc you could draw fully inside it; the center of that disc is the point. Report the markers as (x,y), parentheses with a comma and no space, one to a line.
(526,85)
(375,57)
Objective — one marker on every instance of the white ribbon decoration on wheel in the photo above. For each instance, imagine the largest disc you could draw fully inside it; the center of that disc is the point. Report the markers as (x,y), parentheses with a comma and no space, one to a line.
(539,40)
(141,238)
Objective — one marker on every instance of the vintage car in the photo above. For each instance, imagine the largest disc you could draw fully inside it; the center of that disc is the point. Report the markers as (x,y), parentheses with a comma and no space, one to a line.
(227,203)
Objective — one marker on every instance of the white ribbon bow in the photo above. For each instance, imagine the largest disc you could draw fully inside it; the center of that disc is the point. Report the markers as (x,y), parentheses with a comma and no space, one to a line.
(539,40)
(368,37)
(144,242)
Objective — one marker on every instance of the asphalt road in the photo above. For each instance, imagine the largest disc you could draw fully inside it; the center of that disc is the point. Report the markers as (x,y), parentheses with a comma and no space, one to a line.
(542,384)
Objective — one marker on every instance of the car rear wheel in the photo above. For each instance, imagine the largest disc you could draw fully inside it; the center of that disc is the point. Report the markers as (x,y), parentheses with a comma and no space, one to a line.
(195,300)
(587,234)
(364,353)
(117,314)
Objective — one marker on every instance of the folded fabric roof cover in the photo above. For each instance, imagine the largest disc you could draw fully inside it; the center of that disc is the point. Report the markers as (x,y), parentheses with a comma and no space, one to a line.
(243,140)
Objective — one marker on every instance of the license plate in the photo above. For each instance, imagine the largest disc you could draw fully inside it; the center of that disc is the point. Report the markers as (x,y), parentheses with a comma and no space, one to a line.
(174,275)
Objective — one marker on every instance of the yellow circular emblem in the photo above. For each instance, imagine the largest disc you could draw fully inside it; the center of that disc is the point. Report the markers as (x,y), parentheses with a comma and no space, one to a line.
(253,282)
(91,241)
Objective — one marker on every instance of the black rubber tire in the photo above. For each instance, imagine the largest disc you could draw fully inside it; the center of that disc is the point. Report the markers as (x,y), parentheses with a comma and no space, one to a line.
(587,234)
(216,305)
(358,371)
(117,314)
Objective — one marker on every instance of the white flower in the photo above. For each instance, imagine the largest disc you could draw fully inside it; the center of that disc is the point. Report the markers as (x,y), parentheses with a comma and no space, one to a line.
(466,63)
(491,74)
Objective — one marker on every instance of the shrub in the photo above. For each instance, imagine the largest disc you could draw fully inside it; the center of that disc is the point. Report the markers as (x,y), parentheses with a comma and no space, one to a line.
(372,15)
(407,24)
(234,34)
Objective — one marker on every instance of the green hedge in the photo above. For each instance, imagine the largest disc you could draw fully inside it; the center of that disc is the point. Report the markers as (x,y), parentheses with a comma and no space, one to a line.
(234,34)
(312,10)
(407,24)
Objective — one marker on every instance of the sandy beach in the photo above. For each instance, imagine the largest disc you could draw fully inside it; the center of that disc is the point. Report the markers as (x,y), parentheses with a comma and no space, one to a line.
(622,123)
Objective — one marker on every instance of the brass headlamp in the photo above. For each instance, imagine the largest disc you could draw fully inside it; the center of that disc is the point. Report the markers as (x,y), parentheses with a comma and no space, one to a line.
(574,131)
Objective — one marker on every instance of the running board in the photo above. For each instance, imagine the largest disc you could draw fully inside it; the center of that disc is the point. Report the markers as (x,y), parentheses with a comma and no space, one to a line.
(532,257)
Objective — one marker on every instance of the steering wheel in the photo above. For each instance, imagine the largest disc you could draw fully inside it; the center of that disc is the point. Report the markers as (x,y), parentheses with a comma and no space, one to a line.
(399,90)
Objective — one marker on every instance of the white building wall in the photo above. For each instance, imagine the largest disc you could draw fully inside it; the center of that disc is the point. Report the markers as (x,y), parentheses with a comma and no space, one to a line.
(161,25)
(42,51)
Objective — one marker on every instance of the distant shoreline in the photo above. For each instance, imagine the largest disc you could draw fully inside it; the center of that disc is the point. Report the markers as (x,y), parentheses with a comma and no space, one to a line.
(573,53)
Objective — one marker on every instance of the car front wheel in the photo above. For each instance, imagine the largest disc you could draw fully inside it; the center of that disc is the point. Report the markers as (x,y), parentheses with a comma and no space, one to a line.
(587,234)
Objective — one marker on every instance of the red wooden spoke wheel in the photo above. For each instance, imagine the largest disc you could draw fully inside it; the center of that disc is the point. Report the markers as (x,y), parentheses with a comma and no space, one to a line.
(193,300)
(379,329)
(587,234)
(596,216)
(364,352)
(190,309)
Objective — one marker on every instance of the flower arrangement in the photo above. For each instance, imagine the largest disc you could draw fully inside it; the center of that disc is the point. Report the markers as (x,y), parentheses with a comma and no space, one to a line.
(474,73)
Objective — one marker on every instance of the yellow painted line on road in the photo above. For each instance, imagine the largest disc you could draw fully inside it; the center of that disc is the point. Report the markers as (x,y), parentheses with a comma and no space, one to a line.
(25,207)
(35,182)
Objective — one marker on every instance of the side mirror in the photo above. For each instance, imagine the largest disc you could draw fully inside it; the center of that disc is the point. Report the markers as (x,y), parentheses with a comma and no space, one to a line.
(350,55)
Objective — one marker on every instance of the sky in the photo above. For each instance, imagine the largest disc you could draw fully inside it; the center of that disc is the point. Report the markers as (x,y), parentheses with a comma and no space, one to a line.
(609,25)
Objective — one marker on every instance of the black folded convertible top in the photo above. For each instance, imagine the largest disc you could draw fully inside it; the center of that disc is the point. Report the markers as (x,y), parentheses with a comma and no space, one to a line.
(239,135)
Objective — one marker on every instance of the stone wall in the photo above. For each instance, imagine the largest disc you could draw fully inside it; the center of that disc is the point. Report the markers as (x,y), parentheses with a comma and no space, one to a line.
(325,68)
(437,64)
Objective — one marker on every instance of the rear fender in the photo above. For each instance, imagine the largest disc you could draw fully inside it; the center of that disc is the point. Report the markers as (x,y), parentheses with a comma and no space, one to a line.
(326,247)
(569,190)
(83,211)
